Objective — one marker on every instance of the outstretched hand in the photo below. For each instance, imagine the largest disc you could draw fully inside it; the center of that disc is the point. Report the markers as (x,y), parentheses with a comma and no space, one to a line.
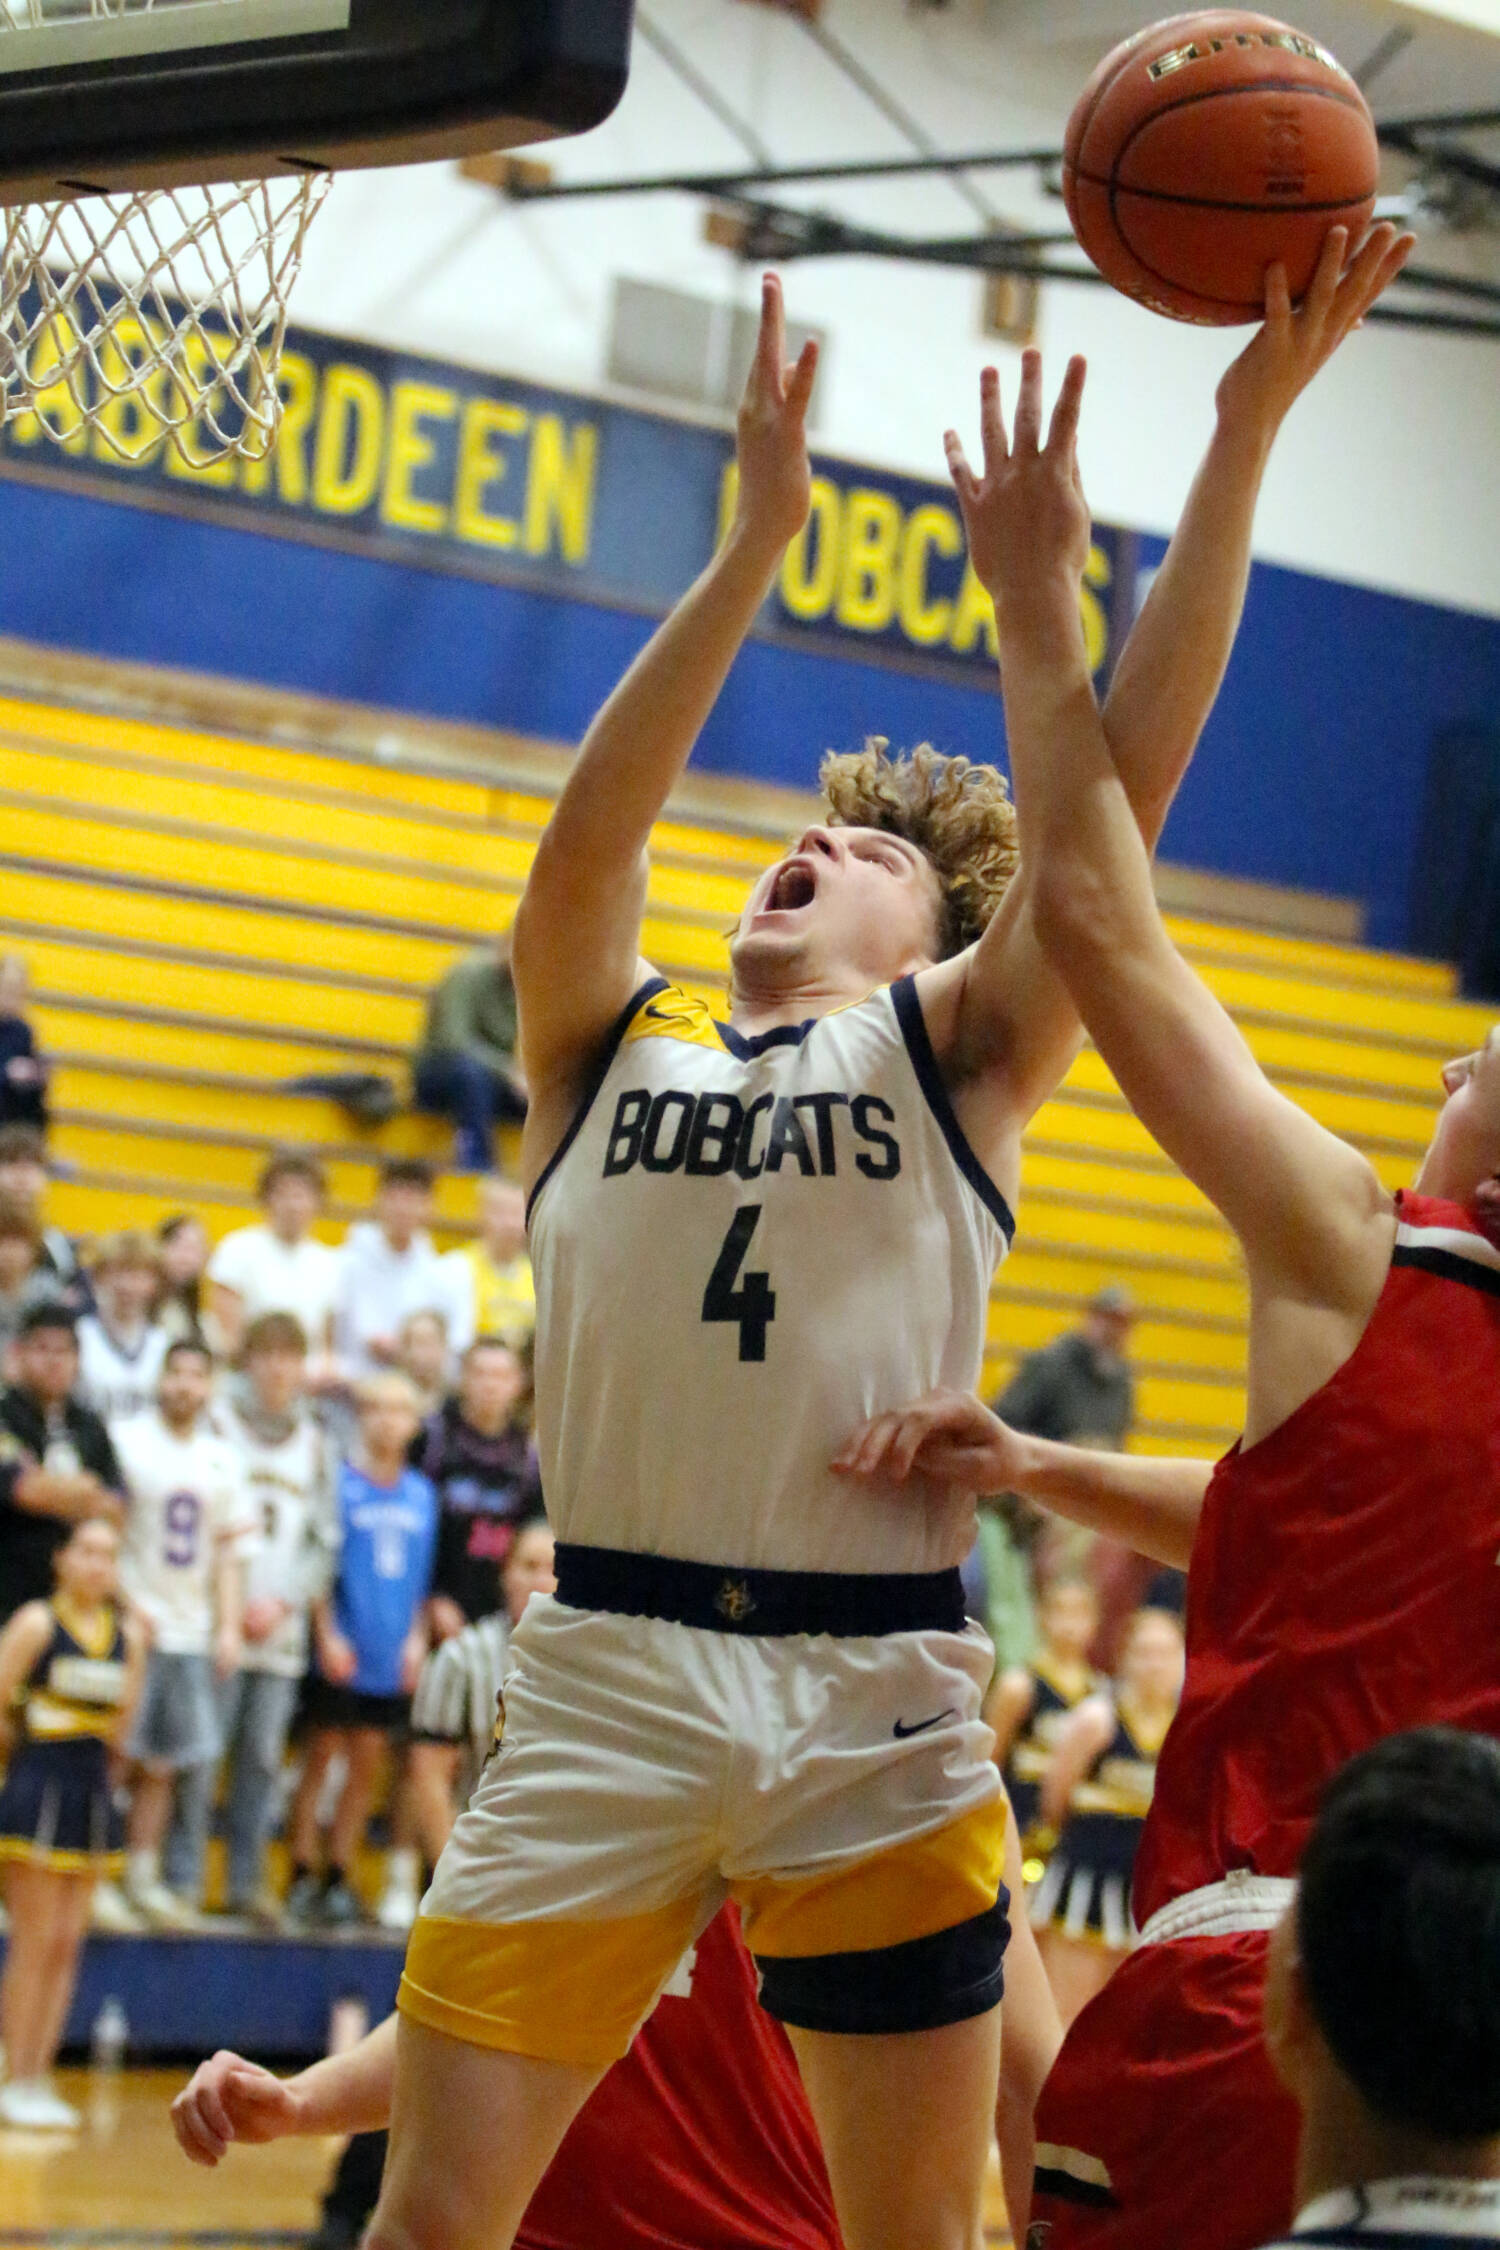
(228,2099)
(1026,516)
(775,478)
(947,1437)
(1293,343)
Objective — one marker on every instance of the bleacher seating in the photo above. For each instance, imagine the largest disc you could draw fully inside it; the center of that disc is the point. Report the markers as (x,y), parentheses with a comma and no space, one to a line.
(208,916)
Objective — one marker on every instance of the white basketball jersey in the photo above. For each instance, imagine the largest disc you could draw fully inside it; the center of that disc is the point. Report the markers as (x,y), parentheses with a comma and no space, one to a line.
(185,1497)
(289,1490)
(744,1248)
(114,1379)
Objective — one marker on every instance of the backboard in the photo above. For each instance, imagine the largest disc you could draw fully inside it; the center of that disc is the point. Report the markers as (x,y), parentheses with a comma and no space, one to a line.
(97,96)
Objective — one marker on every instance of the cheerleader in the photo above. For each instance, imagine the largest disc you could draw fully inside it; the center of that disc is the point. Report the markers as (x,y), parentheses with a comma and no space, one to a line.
(70,1671)
(1097,1793)
(1029,1705)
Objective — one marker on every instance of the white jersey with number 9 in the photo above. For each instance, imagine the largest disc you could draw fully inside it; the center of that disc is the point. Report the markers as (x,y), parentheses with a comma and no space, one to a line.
(743,1249)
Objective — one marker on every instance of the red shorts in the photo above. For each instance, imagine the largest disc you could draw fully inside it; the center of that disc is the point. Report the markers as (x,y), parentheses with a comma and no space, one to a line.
(1162,2121)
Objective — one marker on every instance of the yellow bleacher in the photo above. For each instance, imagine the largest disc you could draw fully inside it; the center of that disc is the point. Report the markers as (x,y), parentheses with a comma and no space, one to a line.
(207,917)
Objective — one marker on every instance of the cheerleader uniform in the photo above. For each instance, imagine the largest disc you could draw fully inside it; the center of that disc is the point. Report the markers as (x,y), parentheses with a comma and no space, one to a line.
(56,1809)
(1031,1754)
(1085,1892)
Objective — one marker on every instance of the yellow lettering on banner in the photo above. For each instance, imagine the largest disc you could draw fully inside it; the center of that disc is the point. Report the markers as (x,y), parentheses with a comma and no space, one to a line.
(287,458)
(350,443)
(928,528)
(56,343)
(974,614)
(867,585)
(560,488)
(810,567)
(1095,623)
(480,464)
(412,449)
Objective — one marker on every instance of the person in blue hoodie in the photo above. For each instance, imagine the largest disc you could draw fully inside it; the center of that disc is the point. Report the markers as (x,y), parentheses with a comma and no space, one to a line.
(369,1638)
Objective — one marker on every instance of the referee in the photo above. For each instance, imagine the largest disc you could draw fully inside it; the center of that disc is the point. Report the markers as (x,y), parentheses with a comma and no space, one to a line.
(1383,2001)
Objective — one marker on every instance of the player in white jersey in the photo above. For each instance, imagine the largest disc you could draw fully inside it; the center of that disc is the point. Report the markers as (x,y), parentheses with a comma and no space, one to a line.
(188,1527)
(286,1464)
(748,1237)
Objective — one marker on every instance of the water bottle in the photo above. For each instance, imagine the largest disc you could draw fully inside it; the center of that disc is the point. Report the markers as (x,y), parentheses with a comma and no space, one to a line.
(108,2039)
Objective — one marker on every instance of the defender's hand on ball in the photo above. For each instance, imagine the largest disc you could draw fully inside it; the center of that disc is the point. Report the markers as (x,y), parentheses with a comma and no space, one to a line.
(1295,342)
(946,1437)
(775,479)
(228,2099)
(1026,516)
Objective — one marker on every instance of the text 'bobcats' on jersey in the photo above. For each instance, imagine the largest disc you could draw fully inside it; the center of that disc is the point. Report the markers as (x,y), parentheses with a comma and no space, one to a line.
(743,1249)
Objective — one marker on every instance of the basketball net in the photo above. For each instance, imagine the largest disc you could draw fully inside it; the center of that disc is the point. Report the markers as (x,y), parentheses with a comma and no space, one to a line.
(152,319)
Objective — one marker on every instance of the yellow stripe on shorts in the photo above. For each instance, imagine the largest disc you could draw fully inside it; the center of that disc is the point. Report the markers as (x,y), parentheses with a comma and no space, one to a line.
(569,1992)
(925,1884)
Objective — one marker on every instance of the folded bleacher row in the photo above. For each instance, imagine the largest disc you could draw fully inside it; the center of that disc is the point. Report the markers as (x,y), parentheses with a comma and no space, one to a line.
(208,917)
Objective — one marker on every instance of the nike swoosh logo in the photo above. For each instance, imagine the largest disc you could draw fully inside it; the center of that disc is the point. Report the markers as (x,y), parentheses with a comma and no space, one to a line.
(901,1731)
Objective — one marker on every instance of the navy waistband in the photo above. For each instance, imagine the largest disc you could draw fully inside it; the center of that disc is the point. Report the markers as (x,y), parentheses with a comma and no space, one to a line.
(770,1602)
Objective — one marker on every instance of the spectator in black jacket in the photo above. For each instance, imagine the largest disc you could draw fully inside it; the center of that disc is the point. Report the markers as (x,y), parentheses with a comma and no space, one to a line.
(57,1465)
(476,1451)
(23,1071)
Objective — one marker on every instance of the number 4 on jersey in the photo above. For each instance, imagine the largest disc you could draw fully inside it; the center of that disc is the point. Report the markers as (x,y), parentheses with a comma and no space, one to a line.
(751,1306)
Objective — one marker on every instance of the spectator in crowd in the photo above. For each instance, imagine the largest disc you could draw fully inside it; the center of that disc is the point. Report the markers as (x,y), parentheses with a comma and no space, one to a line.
(120,1347)
(287,1474)
(466,1066)
(23,1070)
(23,1183)
(1028,1705)
(278,1266)
(183,1246)
(1382,2002)
(369,1641)
(455,1709)
(476,1451)
(388,1269)
(426,1358)
(25,1280)
(1078,1390)
(496,1269)
(70,1672)
(183,1567)
(1096,1793)
(57,1465)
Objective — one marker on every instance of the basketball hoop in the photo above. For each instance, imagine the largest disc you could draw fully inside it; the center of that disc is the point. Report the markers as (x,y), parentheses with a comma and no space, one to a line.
(153,318)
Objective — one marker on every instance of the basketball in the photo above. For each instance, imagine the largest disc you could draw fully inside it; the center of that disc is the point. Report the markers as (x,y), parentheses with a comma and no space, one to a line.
(1208,147)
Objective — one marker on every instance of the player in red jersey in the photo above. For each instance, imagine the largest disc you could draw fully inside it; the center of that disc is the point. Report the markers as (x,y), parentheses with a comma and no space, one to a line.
(1343,1582)
(700,2139)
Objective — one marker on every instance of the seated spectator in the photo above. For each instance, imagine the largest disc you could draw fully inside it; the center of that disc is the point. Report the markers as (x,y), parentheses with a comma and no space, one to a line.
(466,1067)
(23,1183)
(24,1279)
(476,1451)
(426,1358)
(182,1242)
(57,1465)
(496,1269)
(455,1709)
(369,1639)
(388,1268)
(120,1346)
(70,1672)
(1096,1793)
(187,1533)
(23,1071)
(287,1473)
(279,1266)
(1382,2004)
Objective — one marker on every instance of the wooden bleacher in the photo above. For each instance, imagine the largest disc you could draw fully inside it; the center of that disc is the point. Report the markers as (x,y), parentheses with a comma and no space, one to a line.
(208,914)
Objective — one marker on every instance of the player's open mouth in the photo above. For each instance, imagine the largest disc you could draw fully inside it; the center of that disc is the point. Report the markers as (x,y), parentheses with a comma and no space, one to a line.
(795,886)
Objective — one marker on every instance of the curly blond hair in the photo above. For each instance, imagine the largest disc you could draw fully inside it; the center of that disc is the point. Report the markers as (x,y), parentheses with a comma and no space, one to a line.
(956,813)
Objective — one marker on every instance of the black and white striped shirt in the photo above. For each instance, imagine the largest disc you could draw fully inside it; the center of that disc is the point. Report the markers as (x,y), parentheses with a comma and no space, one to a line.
(460,1686)
(1407,2214)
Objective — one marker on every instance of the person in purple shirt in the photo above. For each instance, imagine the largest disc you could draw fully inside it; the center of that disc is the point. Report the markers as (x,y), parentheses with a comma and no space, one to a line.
(370,1636)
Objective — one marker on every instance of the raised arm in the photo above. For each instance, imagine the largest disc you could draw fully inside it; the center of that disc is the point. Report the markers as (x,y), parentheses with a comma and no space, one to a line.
(1015,1009)
(577,931)
(949,1439)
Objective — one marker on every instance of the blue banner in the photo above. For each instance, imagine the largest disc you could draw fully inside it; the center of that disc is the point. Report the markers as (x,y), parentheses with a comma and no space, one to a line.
(456,471)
